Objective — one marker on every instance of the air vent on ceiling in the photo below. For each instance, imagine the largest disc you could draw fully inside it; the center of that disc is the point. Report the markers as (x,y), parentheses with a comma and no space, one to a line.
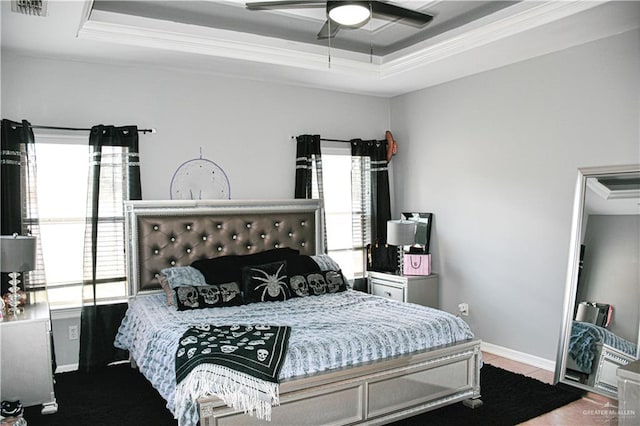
(29,7)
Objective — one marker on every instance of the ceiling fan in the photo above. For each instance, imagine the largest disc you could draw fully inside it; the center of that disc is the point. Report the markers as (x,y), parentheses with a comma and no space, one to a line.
(347,14)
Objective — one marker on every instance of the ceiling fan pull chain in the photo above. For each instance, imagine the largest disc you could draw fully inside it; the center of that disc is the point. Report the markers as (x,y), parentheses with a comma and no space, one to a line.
(370,34)
(329,42)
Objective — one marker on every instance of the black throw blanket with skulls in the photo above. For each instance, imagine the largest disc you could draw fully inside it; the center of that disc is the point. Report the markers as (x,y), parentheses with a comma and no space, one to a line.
(238,363)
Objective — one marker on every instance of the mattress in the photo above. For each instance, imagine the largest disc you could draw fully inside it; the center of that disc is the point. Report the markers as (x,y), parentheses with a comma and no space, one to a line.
(327,332)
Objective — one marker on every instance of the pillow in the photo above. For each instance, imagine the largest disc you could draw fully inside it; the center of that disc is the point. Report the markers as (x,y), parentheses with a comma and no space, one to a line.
(301,265)
(225,269)
(263,283)
(325,262)
(317,283)
(176,276)
(209,296)
(180,275)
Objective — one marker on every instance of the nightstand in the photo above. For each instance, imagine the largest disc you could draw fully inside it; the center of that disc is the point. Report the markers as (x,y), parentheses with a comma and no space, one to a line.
(25,358)
(629,394)
(422,290)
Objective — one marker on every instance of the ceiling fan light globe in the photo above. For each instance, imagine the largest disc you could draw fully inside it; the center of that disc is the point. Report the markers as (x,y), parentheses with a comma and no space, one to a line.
(349,14)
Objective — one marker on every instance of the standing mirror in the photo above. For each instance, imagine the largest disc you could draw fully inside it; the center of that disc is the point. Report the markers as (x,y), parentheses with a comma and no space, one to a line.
(601,321)
(423,230)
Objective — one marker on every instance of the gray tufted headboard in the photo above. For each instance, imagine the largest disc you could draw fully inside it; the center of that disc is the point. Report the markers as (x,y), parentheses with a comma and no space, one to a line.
(161,234)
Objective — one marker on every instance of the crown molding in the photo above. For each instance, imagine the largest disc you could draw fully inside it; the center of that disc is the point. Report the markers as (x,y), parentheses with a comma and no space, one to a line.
(144,32)
(481,33)
(607,194)
(228,44)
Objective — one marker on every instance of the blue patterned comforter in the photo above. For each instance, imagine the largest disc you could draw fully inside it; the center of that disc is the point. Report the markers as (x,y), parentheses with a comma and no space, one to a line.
(327,332)
(584,338)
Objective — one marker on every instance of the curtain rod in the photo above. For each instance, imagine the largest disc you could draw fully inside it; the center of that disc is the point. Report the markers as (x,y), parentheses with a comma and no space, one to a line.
(327,140)
(33,126)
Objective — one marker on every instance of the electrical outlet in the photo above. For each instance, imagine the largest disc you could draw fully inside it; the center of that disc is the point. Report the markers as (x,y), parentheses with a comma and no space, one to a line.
(463,309)
(73,332)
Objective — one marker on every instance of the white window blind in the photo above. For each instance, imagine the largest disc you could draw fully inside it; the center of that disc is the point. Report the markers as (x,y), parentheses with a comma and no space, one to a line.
(61,188)
(341,200)
(110,272)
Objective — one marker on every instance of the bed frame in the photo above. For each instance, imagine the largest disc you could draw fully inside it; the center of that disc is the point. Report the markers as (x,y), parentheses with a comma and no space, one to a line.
(161,234)
(603,376)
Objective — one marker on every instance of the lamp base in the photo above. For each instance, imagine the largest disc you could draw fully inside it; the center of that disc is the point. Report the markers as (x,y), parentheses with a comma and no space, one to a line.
(400,260)
(14,297)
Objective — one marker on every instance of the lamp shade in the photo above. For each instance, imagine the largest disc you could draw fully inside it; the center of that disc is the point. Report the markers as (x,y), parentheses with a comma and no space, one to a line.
(17,253)
(401,232)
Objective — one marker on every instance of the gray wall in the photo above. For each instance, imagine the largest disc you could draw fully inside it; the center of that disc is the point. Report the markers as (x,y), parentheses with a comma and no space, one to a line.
(244,126)
(611,271)
(495,156)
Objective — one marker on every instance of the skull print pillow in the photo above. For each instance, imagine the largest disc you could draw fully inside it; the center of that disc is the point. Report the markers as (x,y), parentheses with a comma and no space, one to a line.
(177,276)
(210,296)
(317,283)
(268,282)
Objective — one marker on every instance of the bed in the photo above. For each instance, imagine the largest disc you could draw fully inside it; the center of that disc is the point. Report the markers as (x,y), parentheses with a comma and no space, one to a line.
(343,379)
(595,353)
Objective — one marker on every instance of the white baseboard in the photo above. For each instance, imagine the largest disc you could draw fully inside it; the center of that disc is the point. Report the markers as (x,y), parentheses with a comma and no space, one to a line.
(545,364)
(66,368)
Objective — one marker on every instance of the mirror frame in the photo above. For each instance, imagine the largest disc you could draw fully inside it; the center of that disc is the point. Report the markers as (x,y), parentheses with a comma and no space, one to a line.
(571,286)
(421,217)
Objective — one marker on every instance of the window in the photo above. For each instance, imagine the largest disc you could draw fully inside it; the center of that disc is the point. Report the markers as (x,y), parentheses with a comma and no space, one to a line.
(62,179)
(336,164)
(62,173)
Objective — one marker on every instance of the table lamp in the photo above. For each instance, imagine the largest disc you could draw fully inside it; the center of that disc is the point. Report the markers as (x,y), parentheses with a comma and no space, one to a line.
(401,233)
(17,254)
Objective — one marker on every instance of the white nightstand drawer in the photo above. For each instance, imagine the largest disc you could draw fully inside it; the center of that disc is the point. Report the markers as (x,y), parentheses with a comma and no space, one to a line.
(420,289)
(387,291)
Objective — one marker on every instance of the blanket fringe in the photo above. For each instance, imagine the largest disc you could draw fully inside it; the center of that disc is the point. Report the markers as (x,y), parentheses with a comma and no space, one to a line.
(237,390)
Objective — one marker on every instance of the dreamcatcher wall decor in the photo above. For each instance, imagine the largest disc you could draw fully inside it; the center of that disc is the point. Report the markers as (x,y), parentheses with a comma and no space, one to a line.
(200,179)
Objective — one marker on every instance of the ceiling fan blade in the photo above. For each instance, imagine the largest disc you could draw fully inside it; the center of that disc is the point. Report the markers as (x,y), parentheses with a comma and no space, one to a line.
(271,5)
(324,31)
(392,11)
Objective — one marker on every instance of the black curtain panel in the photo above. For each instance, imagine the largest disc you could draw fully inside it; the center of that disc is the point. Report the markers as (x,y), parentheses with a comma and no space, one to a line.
(371,205)
(308,163)
(98,328)
(370,158)
(14,136)
(114,177)
(114,165)
(19,196)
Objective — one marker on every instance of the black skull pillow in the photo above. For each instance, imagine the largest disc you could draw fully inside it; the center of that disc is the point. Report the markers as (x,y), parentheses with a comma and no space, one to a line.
(209,296)
(317,283)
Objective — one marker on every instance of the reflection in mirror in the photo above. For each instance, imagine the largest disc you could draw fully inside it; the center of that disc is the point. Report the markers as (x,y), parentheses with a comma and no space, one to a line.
(601,323)
(423,230)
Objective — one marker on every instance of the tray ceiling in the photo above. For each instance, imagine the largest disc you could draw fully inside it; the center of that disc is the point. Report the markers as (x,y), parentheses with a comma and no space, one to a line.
(381,36)
(382,58)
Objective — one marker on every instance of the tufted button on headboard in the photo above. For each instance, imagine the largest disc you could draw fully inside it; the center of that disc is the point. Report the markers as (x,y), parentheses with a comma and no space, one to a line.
(177,233)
